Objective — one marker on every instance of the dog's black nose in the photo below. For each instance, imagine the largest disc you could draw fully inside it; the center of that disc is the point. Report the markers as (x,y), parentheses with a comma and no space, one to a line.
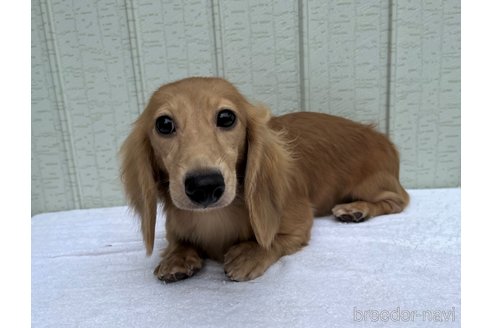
(204,188)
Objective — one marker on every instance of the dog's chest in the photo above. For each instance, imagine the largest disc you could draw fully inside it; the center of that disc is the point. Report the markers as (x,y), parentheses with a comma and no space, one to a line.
(217,230)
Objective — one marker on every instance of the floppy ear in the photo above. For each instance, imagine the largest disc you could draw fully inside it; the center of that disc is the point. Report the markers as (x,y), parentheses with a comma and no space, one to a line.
(268,170)
(139,179)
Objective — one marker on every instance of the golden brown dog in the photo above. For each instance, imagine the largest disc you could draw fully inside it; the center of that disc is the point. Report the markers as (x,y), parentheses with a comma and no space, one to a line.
(242,187)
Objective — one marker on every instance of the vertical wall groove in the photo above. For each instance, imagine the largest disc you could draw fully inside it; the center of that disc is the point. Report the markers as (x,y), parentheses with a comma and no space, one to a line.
(217,38)
(304,54)
(137,65)
(39,199)
(389,66)
(392,63)
(302,71)
(62,110)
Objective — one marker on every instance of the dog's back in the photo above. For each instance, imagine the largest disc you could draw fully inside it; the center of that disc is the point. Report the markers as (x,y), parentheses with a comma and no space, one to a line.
(335,156)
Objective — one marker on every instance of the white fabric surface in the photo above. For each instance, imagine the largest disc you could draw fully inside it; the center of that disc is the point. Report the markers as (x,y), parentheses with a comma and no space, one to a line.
(89,269)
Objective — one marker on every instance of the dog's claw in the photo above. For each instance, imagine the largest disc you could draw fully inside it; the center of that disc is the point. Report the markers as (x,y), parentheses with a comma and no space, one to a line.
(173,277)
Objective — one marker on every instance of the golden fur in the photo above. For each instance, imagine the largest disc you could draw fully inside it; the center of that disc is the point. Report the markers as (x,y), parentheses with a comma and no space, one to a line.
(279,172)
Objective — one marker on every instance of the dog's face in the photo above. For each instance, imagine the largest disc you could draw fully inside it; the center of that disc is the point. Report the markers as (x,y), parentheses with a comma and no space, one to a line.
(192,142)
(197,130)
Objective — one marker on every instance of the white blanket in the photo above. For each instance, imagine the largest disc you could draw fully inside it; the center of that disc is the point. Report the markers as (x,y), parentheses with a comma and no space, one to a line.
(89,269)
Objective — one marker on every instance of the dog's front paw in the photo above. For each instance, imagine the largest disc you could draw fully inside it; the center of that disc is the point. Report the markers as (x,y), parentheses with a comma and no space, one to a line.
(246,261)
(178,266)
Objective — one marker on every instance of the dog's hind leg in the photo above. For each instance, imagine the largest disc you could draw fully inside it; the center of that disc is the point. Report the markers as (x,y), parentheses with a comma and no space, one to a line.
(380,194)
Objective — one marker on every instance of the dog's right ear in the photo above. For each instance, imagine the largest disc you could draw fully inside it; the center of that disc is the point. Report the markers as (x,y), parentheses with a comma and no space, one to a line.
(140,180)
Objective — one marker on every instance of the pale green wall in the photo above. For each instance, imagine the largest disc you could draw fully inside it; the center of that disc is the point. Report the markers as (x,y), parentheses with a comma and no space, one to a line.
(95,63)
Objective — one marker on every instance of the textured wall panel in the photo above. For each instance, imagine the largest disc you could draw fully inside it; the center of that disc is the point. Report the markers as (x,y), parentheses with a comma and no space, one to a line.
(425,91)
(96,63)
(52,186)
(93,58)
(345,58)
(173,39)
(258,49)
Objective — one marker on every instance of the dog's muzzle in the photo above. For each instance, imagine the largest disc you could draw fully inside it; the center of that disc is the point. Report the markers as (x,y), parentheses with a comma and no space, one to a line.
(204,188)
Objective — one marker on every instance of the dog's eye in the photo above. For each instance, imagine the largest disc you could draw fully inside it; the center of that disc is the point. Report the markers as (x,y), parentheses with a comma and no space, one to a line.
(226,118)
(165,125)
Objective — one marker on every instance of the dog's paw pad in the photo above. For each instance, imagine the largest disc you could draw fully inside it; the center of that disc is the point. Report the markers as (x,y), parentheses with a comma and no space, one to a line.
(359,216)
(351,212)
(345,218)
(352,217)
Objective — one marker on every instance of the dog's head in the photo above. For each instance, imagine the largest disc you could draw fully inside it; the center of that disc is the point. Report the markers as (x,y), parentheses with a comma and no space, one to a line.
(197,140)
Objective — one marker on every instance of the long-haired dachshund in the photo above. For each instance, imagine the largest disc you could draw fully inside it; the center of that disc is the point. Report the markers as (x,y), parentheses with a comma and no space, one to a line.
(241,186)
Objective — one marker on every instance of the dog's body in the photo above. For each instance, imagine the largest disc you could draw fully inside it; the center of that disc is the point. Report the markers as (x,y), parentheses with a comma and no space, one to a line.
(246,193)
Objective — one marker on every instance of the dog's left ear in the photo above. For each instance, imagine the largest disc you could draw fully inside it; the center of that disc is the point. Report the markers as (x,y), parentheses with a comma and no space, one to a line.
(268,171)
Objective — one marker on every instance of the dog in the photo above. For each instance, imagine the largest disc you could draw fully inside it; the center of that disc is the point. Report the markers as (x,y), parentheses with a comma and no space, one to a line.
(240,186)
